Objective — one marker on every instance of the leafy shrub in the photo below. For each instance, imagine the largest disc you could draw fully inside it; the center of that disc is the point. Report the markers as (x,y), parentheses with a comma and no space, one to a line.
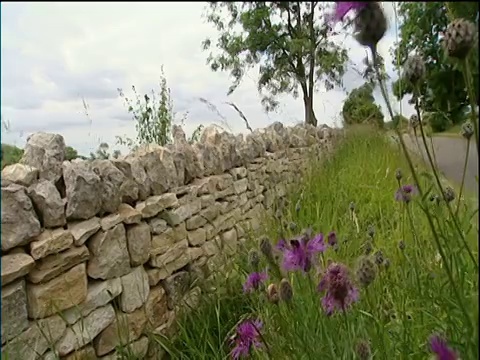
(360,107)
(438,121)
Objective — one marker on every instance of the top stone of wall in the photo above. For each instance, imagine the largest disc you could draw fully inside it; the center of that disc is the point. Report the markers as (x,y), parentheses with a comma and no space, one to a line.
(44,190)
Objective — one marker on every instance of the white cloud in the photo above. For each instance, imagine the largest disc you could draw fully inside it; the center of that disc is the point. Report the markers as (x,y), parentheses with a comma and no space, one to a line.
(53,54)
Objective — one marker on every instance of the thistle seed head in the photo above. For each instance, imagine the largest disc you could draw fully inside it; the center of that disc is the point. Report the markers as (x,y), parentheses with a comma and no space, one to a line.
(266,248)
(460,38)
(378,257)
(366,270)
(414,122)
(448,194)
(285,291)
(370,24)
(254,259)
(362,349)
(414,69)
(467,130)
(272,293)
(398,174)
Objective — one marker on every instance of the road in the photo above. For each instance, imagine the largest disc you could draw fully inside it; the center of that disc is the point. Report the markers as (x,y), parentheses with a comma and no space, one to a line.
(450,154)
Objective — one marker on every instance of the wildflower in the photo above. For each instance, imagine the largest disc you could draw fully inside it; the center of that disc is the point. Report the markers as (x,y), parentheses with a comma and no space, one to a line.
(362,349)
(405,193)
(266,248)
(254,281)
(285,291)
(253,259)
(467,130)
(344,7)
(340,291)
(459,38)
(414,121)
(371,231)
(332,238)
(299,253)
(414,69)
(272,293)
(366,270)
(401,245)
(448,194)
(441,349)
(398,174)
(378,257)
(370,25)
(247,337)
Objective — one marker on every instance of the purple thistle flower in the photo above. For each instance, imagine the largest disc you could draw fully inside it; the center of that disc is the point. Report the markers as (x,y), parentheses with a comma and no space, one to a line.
(441,349)
(340,290)
(342,8)
(332,238)
(246,337)
(405,193)
(298,255)
(254,280)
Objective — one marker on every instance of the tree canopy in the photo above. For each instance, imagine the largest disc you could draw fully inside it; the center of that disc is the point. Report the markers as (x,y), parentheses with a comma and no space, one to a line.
(291,42)
(360,108)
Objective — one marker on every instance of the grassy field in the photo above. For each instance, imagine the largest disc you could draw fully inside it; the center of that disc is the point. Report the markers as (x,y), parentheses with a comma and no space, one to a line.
(407,291)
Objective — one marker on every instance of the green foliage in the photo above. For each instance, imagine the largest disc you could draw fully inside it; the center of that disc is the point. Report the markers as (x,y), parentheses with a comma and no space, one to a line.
(10,154)
(290,42)
(422,25)
(153,115)
(437,120)
(360,107)
(399,121)
(102,153)
(71,153)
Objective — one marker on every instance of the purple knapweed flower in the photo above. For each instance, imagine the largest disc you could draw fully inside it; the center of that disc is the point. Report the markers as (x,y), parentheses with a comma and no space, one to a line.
(342,8)
(299,253)
(254,280)
(339,288)
(332,238)
(247,336)
(405,193)
(442,351)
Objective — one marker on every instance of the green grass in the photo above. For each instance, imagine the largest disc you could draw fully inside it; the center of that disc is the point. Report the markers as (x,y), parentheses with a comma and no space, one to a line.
(408,300)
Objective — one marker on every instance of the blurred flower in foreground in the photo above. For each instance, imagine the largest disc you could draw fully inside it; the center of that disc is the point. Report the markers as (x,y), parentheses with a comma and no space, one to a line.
(441,349)
(370,23)
(246,338)
(340,290)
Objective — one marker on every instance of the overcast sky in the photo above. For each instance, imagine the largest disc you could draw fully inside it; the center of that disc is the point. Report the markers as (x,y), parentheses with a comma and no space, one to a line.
(55,54)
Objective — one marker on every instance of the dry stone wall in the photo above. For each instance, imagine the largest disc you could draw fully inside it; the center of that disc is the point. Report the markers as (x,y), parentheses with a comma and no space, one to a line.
(89,247)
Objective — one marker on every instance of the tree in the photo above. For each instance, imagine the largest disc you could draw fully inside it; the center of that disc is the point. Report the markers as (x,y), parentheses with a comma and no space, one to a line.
(11,154)
(422,24)
(289,41)
(71,153)
(360,107)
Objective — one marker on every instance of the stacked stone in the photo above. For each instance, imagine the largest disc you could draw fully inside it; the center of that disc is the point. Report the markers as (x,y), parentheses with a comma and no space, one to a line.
(138,230)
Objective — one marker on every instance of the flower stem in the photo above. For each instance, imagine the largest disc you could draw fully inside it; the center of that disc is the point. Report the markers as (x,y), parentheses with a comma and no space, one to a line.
(471,97)
(427,213)
(463,177)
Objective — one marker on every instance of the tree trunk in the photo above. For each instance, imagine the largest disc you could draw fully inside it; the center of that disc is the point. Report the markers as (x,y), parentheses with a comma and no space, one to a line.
(310,117)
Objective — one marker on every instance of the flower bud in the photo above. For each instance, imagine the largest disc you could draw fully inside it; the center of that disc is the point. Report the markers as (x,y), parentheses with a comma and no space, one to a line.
(285,291)
(414,69)
(460,38)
